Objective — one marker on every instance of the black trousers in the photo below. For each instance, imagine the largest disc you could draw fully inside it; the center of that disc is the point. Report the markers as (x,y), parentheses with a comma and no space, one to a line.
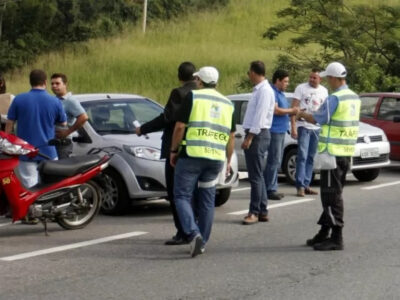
(169,180)
(332,183)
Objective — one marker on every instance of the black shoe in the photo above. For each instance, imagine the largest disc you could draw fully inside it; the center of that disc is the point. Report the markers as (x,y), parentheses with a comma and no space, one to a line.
(275,196)
(176,241)
(196,246)
(317,239)
(329,245)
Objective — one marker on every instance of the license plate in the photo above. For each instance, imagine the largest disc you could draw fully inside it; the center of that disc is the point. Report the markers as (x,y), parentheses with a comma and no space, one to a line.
(369,153)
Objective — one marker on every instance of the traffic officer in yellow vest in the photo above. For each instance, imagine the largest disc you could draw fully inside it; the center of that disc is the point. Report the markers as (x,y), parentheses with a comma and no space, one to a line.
(203,138)
(339,117)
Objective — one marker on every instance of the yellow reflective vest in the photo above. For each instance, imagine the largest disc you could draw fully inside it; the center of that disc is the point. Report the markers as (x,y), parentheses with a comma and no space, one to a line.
(339,136)
(209,126)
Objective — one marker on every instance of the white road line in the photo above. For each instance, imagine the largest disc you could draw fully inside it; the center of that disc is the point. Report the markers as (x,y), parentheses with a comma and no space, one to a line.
(241,189)
(373,187)
(294,202)
(72,246)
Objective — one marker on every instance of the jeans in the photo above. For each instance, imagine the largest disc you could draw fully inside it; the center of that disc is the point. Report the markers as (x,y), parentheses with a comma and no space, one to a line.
(307,148)
(28,173)
(332,184)
(274,160)
(256,158)
(169,179)
(189,174)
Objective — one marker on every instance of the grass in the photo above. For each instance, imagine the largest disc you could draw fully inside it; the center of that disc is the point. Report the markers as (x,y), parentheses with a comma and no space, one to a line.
(146,64)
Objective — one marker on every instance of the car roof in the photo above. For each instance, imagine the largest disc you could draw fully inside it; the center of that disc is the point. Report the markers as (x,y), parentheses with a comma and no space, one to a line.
(384,94)
(247,96)
(102,96)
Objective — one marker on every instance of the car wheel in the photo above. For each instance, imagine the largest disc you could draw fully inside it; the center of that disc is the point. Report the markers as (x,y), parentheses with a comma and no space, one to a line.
(366,175)
(289,165)
(115,194)
(222,196)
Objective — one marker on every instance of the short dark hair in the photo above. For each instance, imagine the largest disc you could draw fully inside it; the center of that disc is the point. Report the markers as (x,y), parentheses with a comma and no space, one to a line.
(279,75)
(316,70)
(258,67)
(60,75)
(186,70)
(209,85)
(37,77)
(3,87)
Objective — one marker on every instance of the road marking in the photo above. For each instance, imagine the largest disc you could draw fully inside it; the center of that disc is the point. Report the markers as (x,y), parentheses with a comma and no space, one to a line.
(373,187)
(241,189)
(294,202)
(72,246)
(9,223)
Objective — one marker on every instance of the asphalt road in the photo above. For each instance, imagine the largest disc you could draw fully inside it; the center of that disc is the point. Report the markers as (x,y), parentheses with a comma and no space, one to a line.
(124,257)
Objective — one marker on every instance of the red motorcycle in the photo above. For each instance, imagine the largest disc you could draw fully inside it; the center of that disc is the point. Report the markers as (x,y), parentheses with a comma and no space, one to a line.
(67,192)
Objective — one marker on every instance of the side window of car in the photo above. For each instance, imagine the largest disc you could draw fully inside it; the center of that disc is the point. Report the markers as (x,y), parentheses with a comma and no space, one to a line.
(368,105)
(243,109)
(390,107)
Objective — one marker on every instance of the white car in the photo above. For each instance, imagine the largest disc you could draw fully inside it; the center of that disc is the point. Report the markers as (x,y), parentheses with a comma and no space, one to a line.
(136,172)
(371,154)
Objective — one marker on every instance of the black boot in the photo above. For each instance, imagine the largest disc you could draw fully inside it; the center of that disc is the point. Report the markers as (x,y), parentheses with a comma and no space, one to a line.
(320,237)
(334,243)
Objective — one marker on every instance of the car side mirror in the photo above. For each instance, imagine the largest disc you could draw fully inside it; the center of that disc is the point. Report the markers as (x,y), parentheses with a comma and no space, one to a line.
(396,119)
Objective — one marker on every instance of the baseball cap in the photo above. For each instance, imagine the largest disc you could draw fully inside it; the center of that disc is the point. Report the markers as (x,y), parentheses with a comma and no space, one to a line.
(208,75)
(334,69)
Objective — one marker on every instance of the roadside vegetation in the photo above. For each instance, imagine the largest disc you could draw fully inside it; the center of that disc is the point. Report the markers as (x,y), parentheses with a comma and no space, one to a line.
(227,37)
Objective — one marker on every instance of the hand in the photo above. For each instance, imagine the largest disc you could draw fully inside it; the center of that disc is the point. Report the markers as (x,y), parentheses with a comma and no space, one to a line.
(228,169)
(62,133)
(173,157)
(294,133)
(300,115)
(138,131)
(246,143)
(295,110)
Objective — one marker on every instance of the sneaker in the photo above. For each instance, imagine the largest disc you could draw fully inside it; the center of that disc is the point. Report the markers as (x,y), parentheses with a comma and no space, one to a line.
(329,245)
(29,221)
(196,245)
(300,192)
(309,191)
(317,239)
(176,241)
(263,218)
(275,196)
(250,219)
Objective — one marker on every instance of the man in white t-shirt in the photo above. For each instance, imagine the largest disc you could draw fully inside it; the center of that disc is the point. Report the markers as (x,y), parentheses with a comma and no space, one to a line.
(308,97)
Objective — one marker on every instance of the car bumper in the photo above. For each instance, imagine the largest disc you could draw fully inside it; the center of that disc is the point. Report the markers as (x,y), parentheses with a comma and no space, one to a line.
(358,163)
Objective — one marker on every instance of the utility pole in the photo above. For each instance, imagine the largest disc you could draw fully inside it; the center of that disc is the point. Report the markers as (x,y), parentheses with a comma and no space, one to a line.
(144,15)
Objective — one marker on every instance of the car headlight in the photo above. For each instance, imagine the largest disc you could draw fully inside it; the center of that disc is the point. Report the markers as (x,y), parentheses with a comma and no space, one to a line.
(9,148)
(144,152)
(384,137)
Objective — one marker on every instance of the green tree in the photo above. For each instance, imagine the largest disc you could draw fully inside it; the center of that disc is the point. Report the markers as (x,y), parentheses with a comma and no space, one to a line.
(364,37)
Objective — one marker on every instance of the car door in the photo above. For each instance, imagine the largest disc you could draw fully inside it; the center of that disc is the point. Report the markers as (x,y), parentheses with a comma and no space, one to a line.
(389,108)
(240,109)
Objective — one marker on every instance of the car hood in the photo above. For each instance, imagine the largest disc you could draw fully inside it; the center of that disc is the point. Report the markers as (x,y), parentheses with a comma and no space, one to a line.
(366,129)
(154,139)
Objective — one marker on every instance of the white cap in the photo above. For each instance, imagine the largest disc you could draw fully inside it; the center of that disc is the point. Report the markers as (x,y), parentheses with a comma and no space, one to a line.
(208,75)
(334,69)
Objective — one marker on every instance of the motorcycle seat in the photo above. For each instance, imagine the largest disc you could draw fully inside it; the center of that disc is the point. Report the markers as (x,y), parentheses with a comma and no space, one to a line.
(69,166)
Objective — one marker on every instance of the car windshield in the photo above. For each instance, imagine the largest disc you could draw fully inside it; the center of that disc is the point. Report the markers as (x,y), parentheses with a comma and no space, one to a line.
(117,115)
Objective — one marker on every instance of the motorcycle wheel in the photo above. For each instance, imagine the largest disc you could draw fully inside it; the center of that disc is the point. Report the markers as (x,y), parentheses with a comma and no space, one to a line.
(85,213)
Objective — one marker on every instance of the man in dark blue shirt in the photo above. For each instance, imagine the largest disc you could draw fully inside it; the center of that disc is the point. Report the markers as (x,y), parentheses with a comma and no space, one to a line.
(280,125)
(36,113)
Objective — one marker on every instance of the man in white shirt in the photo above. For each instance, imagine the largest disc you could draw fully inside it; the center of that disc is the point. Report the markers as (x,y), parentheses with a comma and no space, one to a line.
(257,122)
(308,97)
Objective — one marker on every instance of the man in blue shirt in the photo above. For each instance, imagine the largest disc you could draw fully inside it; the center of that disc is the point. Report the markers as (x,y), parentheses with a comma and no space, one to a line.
(36,114)
(280,125)
(76,114)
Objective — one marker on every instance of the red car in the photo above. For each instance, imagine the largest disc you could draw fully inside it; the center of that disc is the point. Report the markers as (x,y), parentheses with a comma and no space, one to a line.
(383,110)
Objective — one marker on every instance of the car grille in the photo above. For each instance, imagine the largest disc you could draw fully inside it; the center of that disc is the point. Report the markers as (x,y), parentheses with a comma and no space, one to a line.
(357,161)
(374,138)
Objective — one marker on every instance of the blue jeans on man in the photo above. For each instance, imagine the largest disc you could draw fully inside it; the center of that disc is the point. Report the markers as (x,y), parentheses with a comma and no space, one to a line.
(256,158)
(307,140)
(189,174)
(274,160)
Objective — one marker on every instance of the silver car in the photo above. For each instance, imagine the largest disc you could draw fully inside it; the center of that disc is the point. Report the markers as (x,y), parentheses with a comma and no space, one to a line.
(136,172)
(371,154)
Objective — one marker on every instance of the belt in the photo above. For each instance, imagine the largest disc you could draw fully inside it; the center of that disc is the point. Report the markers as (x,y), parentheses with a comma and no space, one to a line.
(248,130)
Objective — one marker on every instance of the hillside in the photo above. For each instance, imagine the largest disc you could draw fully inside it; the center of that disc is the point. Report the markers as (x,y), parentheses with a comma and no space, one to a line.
(228,39)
